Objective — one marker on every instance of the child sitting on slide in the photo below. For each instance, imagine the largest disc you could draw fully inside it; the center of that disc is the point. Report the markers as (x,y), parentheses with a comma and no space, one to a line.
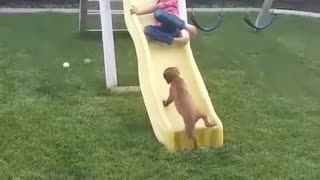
(168,24)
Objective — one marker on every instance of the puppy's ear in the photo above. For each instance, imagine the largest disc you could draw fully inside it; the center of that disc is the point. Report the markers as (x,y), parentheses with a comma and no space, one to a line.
(167,76)
(170,73)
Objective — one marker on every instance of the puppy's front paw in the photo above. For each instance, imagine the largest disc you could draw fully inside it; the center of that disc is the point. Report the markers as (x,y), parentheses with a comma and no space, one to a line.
(164,103)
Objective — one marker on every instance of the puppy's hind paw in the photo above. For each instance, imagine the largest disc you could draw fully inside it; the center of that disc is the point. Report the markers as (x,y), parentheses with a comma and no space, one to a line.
(210,124)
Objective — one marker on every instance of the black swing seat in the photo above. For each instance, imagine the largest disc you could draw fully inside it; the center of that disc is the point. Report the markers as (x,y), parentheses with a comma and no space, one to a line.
(215,24)
(251,24)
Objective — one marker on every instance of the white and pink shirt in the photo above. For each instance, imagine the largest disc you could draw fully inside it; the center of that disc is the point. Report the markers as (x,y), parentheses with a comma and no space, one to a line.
(171,6)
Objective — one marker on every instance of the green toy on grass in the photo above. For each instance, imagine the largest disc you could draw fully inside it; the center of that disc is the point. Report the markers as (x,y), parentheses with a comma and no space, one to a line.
(87,61)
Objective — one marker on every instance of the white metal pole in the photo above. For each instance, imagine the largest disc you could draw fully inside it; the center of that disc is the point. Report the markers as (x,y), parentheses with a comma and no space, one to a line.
(183,10)
(267,4)
(108,44)
(183,13)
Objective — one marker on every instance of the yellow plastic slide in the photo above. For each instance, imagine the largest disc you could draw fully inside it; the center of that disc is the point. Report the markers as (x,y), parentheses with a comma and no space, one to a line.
(153,59)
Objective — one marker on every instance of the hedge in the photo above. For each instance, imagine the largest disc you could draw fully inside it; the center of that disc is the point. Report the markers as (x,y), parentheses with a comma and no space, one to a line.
(188,1)
(308,5)
(4,2)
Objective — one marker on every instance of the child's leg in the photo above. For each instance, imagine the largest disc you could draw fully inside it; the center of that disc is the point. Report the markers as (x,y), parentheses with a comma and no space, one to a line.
(171,21)
(159,34)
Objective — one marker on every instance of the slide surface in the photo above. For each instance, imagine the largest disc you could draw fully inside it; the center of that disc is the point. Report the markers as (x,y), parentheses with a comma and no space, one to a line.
(153,59)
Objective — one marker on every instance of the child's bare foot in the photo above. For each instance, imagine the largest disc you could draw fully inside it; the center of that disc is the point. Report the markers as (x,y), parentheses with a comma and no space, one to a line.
(191,29)
(181,40)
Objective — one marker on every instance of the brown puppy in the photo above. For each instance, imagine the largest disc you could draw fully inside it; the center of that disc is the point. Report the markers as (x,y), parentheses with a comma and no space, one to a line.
(183,102)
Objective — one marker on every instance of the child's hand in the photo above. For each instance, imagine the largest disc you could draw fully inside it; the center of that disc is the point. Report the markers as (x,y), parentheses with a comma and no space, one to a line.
(134,10)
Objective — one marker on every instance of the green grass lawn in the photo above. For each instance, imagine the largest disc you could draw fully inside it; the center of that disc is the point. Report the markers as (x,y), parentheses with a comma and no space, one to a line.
(60,123)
